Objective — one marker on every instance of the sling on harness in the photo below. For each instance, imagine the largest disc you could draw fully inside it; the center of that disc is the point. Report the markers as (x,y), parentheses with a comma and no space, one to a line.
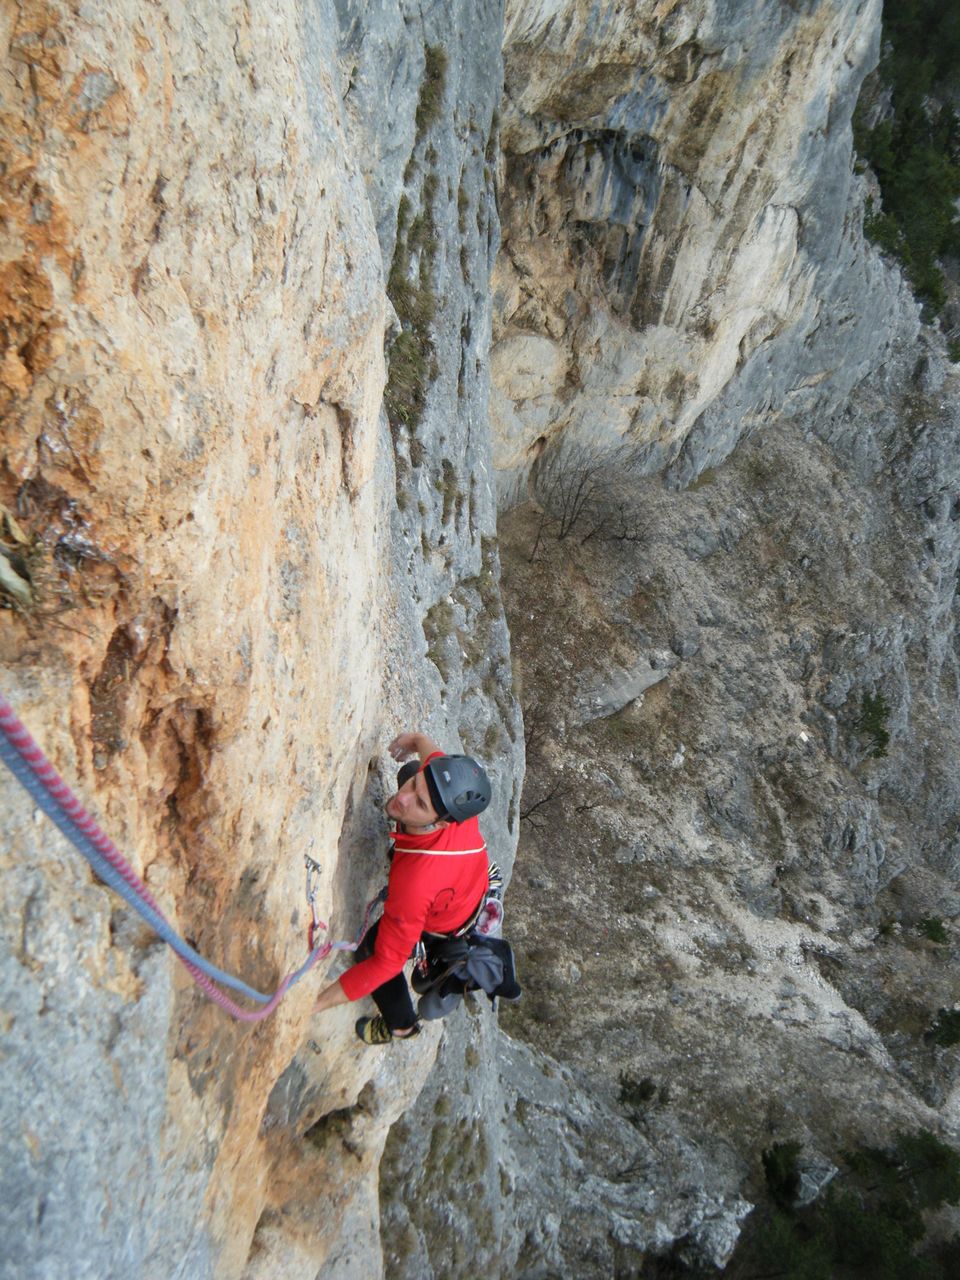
(474,957)
(458,964)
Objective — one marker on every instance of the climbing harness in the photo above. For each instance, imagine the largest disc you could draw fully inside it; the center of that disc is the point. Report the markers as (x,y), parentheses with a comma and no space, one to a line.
(474,956)
(488,917)
(25,760)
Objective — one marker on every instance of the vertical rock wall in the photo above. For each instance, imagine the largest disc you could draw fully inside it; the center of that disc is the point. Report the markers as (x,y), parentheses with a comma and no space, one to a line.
(682,254)
(241,549)
(741,697)
(231,581)
(192,313)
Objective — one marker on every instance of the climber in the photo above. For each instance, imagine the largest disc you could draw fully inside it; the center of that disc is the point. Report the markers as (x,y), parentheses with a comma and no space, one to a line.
(439,880)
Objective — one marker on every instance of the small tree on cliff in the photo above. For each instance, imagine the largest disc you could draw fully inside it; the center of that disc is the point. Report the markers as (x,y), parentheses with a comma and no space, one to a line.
(585,489)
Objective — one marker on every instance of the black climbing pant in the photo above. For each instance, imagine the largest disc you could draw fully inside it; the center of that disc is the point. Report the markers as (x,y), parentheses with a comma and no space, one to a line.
(393,998)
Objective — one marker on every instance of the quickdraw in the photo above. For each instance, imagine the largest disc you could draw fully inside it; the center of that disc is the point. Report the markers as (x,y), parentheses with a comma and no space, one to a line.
(314,871)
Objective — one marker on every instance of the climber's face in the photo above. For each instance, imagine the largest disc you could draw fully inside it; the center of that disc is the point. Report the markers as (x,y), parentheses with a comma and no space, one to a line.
(411,805)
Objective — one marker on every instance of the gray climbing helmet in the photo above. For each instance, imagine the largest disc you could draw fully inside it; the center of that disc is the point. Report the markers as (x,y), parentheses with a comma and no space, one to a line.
(459,787)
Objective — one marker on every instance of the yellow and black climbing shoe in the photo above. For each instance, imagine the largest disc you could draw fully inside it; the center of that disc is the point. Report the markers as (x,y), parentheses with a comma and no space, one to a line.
(375,1030)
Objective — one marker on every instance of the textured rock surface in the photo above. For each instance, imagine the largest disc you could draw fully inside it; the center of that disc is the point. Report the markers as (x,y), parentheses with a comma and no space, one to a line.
(681,249)
(447,1207)
(681,223)
(523,1170)
(231,603)
(193,316)
(237,576)
(755,871)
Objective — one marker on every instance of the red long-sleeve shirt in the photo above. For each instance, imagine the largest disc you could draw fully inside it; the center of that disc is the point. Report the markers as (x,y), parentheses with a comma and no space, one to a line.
(436,883)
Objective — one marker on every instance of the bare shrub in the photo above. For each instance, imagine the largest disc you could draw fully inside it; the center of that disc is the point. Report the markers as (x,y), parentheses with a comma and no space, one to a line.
(584,489)
(532,815)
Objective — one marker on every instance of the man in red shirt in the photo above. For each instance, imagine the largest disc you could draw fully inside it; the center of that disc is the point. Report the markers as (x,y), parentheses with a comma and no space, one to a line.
(438,882)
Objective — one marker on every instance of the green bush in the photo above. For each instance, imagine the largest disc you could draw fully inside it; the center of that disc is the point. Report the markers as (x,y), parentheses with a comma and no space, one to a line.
(872,721)
(916,153)
(634,1092)
(780,1171)
(406,388)
(870,1227)
(432,89)
(933,929)
(919,1172)
(411,356)
(946,1028)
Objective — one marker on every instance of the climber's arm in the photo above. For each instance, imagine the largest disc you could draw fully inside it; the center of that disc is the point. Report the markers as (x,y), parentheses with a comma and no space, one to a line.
(406,744)
(330,996)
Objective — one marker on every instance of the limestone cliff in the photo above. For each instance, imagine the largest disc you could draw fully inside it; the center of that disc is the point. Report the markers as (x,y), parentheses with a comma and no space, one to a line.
(193,320)
(725,873)
(248,531)
(682,246)
(741,698)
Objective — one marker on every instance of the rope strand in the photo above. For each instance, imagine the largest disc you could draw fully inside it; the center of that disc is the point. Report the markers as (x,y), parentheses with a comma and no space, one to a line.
(36,774)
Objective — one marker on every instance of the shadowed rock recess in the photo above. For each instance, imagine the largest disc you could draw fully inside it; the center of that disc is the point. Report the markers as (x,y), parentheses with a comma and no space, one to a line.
(347,345)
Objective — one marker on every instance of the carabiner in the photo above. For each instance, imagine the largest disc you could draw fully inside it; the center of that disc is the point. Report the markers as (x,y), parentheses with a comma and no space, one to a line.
(314,872)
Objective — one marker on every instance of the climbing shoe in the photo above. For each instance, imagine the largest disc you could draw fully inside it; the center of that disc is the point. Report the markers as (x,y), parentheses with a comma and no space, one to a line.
(375,1030)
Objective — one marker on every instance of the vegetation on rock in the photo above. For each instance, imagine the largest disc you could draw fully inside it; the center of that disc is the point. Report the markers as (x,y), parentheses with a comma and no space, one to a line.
(946,1028)
(411,356)
(933,930)
(870,1226)
(580,490)
(915,149)
(873,720)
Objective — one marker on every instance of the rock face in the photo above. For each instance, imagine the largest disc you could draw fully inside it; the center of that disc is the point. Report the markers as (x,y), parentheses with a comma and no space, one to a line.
(681,229)
(193,318)
(733,805)
(230,596)
(194,455)
(248,531)
(751,863)
(524,1171)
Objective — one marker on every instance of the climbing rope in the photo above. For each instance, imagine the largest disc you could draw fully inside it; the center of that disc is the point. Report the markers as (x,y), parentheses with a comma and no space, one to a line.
(37,775)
